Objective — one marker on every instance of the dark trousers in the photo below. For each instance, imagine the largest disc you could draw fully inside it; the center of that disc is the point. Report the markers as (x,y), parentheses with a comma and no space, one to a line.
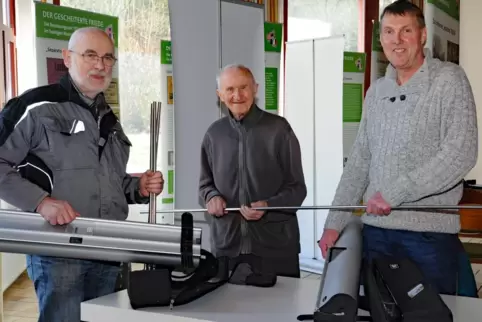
(288,266)
(441,257)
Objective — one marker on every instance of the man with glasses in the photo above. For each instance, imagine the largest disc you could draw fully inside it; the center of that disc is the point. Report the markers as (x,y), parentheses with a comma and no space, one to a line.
(63,154)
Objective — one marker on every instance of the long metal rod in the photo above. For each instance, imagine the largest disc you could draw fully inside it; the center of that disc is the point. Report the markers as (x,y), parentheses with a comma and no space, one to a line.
(358,207)
(154,146)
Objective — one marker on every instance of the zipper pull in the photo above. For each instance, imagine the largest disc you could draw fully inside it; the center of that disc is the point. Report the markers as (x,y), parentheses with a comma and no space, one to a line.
(171,305)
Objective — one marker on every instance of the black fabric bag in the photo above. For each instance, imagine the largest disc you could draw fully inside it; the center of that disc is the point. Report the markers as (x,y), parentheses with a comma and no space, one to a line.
(160,287)
(396,291)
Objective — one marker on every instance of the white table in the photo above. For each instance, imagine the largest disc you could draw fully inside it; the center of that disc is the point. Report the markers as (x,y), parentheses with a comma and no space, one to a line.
(234,303)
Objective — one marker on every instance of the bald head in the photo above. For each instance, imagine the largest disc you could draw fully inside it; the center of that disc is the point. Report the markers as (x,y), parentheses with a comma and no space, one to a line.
(90,57)
(237,89)
(231,69)
(83,35)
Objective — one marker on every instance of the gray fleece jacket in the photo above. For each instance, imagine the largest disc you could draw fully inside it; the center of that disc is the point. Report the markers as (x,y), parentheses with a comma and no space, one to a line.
(257,158)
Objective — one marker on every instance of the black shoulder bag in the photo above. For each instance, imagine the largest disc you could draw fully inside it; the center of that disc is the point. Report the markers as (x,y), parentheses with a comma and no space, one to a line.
(396,291)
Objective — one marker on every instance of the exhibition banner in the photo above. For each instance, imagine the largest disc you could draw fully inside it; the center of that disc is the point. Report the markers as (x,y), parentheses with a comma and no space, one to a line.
(166,146)
(273,41)
(53,27)
(353,89)
(443,24)
(379,61)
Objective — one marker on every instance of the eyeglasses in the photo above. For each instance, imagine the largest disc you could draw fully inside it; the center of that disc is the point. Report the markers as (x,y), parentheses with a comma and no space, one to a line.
(93,58)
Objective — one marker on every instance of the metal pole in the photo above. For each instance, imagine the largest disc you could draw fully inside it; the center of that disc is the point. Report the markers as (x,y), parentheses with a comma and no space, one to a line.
(154,145)
(347,208)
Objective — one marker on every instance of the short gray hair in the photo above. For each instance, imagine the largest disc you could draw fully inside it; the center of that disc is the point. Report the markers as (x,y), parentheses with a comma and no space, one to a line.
(239,67)
(77,35)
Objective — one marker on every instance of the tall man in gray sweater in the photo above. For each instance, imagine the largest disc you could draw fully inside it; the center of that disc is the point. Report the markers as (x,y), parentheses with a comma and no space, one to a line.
(417,140)
(251,158)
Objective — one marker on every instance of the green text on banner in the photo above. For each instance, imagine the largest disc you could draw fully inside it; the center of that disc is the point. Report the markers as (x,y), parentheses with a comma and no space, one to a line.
(53,27)
(353,88)
(167,127)
(443,25)
(273,40)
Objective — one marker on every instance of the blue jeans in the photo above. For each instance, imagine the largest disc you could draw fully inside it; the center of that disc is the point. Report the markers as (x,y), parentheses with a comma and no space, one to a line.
(440,257)
(62,284)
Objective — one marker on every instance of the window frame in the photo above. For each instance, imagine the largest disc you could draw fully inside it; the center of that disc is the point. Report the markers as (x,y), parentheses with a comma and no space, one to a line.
(368,13)
(9,53)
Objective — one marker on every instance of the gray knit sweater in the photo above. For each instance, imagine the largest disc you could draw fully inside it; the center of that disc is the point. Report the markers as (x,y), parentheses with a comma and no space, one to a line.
(415,144)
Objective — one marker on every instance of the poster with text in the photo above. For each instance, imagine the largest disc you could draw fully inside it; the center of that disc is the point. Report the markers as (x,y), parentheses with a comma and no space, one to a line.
(53,27)
(442,18)
(273,41)
(379,61)
(166,146)
(353,89)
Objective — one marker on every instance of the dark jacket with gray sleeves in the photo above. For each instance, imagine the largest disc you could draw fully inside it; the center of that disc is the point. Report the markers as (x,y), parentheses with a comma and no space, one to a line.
(256,159)
(51,131)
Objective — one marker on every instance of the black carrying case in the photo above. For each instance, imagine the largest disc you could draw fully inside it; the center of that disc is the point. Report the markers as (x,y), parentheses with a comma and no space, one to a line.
(169,286)
(161,287)
(396,291)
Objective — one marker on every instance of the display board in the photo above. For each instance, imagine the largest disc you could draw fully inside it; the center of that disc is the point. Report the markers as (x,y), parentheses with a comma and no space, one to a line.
(242,39)
(273,42)
(353,92)
(200,47)
(53,27)
(314,108)
(299,107)
(442,20)
(166,135)
(379,61)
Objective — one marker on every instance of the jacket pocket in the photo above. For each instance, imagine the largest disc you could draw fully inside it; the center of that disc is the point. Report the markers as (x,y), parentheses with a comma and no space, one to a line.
(119,152)
(70,144)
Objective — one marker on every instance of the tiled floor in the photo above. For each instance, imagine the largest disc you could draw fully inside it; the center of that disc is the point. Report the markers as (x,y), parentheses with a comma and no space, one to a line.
(20,303)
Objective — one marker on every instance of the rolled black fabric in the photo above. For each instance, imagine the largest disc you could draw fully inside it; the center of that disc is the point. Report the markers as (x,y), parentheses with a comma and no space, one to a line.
(249,269)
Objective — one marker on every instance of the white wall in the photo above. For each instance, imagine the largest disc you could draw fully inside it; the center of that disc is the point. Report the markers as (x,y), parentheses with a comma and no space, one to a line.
(26,58)
(313,106)
(470,51)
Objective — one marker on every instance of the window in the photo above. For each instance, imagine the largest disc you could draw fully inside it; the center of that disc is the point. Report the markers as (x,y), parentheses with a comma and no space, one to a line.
(383,4)
(142,25)
(8,53)
(323,18)
(5,15)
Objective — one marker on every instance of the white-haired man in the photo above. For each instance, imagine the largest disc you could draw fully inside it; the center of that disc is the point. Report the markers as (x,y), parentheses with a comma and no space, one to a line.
(251,158)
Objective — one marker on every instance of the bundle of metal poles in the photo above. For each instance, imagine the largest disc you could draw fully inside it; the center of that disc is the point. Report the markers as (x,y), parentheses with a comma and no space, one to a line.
(155,127)
(154,144)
